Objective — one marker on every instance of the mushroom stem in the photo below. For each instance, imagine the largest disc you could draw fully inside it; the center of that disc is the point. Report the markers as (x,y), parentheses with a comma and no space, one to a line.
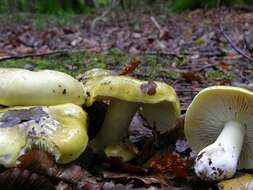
(115,125)
(219,160)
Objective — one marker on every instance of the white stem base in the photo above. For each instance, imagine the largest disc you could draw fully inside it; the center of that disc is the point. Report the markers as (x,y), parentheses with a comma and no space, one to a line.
(115,126)
(219,160)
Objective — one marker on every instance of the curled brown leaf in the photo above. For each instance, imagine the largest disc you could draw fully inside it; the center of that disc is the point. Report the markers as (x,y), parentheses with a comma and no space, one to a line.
(23,179)
(149,88)
(171,163)
(130,66)
(38,161)
(126,167)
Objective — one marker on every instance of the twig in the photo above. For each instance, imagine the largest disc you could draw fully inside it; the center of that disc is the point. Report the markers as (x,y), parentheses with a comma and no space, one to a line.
(93,24)
(8,57)
(238,50)
(161,53)
(157,25)
(204,67)
(163,32)
(170,53)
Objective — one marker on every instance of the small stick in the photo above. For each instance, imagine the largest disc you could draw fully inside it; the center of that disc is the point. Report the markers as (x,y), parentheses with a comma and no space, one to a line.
(238,50)
(157,25)
(8,57)
(93,24)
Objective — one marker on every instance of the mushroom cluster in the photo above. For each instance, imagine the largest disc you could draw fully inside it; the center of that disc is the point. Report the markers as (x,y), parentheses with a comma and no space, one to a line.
(44,110)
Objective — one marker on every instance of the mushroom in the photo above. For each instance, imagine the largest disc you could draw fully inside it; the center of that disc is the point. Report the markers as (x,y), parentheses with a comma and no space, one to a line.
(237,183)
(158,101)
(60,130)
(218,126)
(20,87)
(124,151)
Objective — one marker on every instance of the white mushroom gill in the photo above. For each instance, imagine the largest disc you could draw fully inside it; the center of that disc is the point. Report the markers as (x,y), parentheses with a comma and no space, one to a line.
(219,127)
(219,160)
(116,123)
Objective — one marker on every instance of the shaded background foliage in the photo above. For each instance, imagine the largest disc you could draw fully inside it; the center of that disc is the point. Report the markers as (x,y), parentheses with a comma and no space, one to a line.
(86,6)
(180,5)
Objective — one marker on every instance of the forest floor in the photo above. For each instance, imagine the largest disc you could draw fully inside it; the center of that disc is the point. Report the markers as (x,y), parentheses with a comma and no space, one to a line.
(189,51)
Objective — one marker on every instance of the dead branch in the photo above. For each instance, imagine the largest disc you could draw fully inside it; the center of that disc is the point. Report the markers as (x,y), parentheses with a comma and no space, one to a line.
(57,52)
(106,12)
(237,49)
(163,32)
(170,53)
(157,25)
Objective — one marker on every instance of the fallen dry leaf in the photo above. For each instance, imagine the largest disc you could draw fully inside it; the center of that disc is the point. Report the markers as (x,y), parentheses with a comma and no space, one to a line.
(74,174)
(126,167)
(38,161)
(130,66)
(149,88)
(171,163)
(63,186)
(24,180)
(146,179)
(191,76)
(225,66)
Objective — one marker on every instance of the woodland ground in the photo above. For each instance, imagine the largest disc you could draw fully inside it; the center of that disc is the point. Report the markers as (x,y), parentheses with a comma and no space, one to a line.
(186,50)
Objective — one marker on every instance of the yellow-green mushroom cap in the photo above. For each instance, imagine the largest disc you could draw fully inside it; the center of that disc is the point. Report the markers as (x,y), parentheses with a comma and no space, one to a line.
(157,101)
(218,126)
(20,87)
(61,130)
(238,183)
(124,151)
(71,139)
(94,73)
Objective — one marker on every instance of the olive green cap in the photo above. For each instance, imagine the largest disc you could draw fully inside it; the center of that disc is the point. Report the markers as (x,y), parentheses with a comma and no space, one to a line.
(158,101)
(20,87)
(60,130)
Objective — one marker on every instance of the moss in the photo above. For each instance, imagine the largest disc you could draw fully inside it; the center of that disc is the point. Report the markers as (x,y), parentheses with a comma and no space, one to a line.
(39,21)
(219,75)
(78,62)
(179,60)
(71,63)
(169,74)
(149,59)
(199,41)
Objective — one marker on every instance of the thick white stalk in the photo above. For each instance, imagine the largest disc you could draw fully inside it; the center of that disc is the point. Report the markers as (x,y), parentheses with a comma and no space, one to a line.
(115,126)
(219,160)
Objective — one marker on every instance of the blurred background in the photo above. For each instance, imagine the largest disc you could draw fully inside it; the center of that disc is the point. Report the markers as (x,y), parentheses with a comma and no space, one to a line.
(181,42)
(87,6)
